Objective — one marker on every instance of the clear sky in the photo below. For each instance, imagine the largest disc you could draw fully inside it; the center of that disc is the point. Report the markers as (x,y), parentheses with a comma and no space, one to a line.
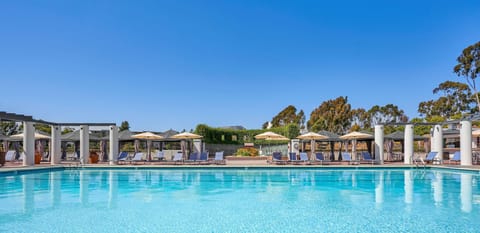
(175,64)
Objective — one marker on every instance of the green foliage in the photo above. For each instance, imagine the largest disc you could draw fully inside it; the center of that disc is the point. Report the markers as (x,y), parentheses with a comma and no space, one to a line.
(67,130)
(124,126)
(247,151)
(455,101)
(9,128)
(332,115)
(287,116)
(239,137)
(469,67)
(44,128)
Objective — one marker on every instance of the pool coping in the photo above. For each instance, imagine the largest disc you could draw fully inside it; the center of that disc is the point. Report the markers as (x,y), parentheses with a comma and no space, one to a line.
(33,169)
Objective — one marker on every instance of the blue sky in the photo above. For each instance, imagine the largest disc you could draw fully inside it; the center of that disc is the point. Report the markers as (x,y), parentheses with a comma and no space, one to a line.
(175,64)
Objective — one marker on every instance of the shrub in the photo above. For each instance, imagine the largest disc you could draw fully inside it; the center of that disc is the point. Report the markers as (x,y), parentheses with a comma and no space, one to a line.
(247,151)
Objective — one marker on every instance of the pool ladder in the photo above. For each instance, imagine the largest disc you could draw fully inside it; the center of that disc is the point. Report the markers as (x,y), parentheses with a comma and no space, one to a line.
(417,160)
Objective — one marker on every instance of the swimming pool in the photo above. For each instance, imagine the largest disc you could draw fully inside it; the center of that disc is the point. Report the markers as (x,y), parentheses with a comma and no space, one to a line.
(240,200)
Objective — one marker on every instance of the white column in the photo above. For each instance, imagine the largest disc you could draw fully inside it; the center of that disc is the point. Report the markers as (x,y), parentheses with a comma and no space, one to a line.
(408,186)
(408,144)
(28,144)
(466,192)
(84,144)
(437,131)
(56,148)
(379,144)
(466,143)
(432,139)
(113,153)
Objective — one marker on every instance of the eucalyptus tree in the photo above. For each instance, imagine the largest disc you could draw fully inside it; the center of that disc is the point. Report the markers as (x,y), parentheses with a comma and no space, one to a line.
(287,116)
(455,100)
(332,115)
(469,67)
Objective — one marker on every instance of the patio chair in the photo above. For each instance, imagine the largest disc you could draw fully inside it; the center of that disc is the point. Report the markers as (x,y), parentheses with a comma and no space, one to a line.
(367,158)
(304,158)
(347,157)
(192,158)
(456,157)
(138,157)
(10,155)
(178,158)
(292,157)
(219,158)
(277,158)
(160,155)
(320,158)
(431,157)
(203,157)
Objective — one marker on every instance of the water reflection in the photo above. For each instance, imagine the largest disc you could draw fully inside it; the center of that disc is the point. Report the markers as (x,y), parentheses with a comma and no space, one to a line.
(466,192)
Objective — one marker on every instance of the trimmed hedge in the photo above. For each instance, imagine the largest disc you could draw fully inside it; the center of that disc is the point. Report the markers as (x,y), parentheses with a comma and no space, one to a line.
(239,137)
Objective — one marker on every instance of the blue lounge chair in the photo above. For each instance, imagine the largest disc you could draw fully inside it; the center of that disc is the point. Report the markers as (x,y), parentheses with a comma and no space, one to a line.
(277,158)
(192,158)
(219,158)
(122,156)
(203,157)
(431,157)
(292,157)
(346,157)
(320,158)
(304,158)
(367,158)
(456,157)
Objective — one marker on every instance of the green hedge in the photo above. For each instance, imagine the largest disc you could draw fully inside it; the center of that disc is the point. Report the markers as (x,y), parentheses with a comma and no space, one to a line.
(239,137)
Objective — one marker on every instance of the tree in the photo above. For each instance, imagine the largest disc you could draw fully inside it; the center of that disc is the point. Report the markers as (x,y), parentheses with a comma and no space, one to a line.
(456,100)
(386,115)
(67,130)
(44,128)
(332,115)
(287,116)
(360,118)
(469,67)
(124,126)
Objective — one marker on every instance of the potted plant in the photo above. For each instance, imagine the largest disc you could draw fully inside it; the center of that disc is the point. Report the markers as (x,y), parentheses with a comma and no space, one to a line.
(93,158)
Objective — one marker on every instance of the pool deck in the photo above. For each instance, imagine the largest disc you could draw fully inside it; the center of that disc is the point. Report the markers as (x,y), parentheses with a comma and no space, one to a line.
(17,166)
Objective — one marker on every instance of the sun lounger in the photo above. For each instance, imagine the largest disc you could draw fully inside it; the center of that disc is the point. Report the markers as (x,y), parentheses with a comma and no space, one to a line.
(367,158)
(277,158)
(10,155)
(203,157)
(304,158)
(178,158)
(160,155)
(192,158)
(456,157)
(138,157)
(219,158)
(292,157)
(431,157)
(319,158)
(346,157)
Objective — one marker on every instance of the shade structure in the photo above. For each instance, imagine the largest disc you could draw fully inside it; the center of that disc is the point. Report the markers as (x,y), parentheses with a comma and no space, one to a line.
(476,133)
(400,135)
(19,137)
(149,136)
(271,136)
(312,137)
(354,136)
(186,135)
(75,136)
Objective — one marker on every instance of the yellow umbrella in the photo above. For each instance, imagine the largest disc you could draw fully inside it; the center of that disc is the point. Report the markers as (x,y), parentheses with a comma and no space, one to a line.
(354,136)
(186,135)
(270,136)
(312,136)
(149,136)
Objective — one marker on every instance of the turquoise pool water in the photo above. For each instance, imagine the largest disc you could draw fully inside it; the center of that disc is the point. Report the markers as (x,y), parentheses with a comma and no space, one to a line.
(239,200)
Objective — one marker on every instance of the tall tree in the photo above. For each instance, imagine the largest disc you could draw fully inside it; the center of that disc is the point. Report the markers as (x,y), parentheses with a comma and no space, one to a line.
(9,128)
(287,116)
(124,126)
(455,100)
(469,67)
(386,114)
(44,128)
(360,118)
(332,115)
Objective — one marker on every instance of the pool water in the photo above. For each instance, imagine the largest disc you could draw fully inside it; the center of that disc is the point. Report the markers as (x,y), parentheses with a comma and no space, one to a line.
(240,200)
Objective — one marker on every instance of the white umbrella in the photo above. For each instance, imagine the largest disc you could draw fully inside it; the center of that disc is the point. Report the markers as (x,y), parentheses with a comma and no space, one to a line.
(312,137)
(354,136)
(476,133)
(185,136)
(271,136)
(36,135)
(149,136)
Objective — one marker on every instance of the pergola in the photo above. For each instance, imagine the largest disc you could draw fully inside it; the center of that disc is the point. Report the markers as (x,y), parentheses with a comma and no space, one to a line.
(29,140)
